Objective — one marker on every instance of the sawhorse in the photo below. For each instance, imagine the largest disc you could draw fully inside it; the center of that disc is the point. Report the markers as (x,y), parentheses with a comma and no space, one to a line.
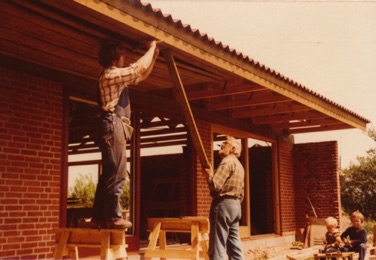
(197,227)
(111,242)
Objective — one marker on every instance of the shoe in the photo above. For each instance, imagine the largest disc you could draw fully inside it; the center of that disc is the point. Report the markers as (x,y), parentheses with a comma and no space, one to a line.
(119,224)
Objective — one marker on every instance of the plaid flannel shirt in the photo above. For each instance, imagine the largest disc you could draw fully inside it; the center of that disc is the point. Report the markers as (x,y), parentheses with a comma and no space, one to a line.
(228,178)
(113,81)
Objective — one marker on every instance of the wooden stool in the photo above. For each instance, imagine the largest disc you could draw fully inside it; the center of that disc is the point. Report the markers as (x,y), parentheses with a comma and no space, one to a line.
(110,241)
(339,255)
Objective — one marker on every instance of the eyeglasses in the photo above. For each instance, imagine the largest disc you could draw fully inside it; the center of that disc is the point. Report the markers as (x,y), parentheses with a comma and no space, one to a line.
(225,143)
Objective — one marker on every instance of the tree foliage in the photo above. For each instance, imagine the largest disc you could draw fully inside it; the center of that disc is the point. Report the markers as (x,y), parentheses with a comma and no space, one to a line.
(84,190)
(358,184)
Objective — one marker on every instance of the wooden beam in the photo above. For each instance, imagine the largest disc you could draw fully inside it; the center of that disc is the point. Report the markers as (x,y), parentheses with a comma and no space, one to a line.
(182,99)
(269,110)
(213,90)
(247,100)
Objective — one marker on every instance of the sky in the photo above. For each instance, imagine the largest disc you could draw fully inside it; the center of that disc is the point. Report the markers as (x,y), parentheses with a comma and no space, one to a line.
(328,47)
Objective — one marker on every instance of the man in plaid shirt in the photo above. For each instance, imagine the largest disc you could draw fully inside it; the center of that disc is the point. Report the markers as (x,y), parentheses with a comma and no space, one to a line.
(227,189)
(115,127)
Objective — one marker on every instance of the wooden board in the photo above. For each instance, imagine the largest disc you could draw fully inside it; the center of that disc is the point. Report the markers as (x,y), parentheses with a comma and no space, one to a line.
(183,100)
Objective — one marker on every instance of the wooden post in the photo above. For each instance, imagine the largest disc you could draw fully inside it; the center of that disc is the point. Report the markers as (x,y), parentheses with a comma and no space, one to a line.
(183,100)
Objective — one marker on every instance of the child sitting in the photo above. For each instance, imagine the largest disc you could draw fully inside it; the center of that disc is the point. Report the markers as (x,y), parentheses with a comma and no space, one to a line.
(332,238)
(355,237)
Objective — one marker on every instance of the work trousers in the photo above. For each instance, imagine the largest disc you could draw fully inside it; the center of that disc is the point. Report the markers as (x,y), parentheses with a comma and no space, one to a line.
(224,235)
(362,249)
(114,161)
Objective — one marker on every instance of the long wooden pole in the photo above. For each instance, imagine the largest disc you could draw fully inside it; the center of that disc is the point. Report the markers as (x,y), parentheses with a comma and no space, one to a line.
(183,100)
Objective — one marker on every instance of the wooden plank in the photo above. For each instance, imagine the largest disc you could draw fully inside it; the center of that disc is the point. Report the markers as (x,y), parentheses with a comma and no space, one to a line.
(182,99)
(154,235)
(105,245)
(195,236)
(62,243)
(215,90)
(171,253)
(73,253)
(179,224)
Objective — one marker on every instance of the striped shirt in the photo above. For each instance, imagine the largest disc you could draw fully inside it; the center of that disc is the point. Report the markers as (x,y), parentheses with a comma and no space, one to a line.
(112,82)
(228,178)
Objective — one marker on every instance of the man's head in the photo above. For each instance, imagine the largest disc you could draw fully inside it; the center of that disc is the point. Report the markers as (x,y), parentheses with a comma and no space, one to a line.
(112,52)
(230,146)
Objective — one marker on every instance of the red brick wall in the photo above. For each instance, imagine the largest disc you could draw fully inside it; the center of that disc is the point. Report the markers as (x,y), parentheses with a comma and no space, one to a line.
(30,164)
(316,172)
(286,182)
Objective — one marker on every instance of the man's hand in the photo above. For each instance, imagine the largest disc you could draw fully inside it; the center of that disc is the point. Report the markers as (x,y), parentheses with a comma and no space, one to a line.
(347,242)
(153,44)
(208,172)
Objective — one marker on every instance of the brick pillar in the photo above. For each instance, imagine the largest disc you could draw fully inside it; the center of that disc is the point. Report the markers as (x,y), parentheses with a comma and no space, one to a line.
(317,178)
(286,184)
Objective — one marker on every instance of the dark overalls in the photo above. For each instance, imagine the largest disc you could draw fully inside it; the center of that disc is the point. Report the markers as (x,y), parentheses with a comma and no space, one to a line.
(115,131)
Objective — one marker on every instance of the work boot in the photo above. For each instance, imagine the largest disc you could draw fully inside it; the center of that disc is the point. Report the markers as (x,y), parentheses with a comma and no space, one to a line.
(119,224)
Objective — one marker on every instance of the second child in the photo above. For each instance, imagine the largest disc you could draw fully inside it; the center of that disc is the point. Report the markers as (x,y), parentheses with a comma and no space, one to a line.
(355,237)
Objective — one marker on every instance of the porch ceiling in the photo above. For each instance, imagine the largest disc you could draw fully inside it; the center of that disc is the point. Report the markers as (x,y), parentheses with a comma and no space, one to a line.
(220,83)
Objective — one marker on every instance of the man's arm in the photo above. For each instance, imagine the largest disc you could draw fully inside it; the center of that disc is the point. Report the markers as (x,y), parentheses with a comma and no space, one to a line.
(146,62)
(208,173)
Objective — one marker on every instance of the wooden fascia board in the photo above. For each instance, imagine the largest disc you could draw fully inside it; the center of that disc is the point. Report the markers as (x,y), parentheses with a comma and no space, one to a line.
(322,128)
(281,118)
(176,39)
(306,123)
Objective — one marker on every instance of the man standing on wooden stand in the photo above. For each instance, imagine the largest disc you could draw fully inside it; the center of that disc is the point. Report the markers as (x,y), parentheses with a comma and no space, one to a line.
(227,189)
(115,127)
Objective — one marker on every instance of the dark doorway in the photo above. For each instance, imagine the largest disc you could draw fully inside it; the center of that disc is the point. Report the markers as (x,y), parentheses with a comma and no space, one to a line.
(261,189)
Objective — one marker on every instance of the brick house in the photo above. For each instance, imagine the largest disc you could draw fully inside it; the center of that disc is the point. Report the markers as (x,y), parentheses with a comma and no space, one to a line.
(48,88)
